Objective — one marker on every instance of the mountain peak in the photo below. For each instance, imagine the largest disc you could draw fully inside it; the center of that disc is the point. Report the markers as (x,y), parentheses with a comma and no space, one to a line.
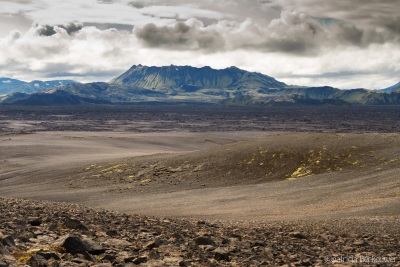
(174,78)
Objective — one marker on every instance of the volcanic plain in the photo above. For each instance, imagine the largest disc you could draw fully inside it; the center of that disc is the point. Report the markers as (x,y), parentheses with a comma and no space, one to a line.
(205,186)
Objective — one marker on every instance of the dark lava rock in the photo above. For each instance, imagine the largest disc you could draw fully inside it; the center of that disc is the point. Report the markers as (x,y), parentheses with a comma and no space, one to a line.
(75,244)
(35,222)
(154,244)
(221,255)
(8,242)
(140,260)
(37,261)
(297,235)
(204,241)
(3,250)
(112,233)
(49,255)
(74,224)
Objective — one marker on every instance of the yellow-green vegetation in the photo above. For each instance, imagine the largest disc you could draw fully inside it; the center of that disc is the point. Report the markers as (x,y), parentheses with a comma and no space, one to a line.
(132,173)
(292,164)
(105,172)
(321,160)
(24,256)
(113,169)
(392,160)
(302,171)
(62,229)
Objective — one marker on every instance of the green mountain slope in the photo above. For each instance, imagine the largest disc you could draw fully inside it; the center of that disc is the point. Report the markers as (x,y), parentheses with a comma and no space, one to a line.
(190,79)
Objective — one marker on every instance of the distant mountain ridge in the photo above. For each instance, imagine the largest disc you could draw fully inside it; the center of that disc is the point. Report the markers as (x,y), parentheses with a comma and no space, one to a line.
(393,88)
(9,86)
(186,84)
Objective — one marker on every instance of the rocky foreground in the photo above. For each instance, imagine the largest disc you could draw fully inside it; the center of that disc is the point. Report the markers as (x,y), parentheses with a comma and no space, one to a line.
(34,233)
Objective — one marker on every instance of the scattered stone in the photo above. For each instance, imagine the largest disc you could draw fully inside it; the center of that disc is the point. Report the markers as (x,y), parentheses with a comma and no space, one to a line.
(140,260)
(75,244)
(3,250)
(35,222)
(221,255)
(153,244)
(8,241)
(49,255)
(74,224)
(297,235)
(118,243)
(204,241)
(37,261)
(144,241)
(112,233)
(359,243)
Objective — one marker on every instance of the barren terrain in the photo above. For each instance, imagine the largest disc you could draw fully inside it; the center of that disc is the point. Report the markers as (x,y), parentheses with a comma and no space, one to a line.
(268,167)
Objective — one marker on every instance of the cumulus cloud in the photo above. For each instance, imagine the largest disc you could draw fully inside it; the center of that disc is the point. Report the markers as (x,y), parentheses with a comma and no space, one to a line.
(179,36)
(292,32)
(81,54)
(47,30)
(295,33)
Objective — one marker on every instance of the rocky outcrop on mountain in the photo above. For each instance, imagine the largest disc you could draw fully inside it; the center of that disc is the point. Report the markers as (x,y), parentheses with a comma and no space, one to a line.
(34,233)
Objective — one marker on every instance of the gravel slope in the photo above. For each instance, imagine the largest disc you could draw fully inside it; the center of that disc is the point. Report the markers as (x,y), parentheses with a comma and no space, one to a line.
(40,233)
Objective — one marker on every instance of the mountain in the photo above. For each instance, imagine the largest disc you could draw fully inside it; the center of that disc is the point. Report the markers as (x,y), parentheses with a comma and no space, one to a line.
(9,86)
(58,97)
(185,84)
(183,79)
(393,88)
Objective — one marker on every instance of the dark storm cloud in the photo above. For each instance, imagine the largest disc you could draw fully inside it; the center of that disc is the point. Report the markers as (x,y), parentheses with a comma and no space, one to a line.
(393,25)
(363,36)
(72,28)
(47,30)
(180,36)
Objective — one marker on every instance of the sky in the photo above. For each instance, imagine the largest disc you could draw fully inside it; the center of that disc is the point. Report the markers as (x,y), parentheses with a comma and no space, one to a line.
(344,43)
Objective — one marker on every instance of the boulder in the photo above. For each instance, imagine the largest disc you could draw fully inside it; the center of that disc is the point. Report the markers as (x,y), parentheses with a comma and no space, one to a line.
(76,244)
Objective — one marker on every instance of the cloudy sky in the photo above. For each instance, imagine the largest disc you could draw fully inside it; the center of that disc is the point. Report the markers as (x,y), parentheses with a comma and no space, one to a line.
(343,43)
